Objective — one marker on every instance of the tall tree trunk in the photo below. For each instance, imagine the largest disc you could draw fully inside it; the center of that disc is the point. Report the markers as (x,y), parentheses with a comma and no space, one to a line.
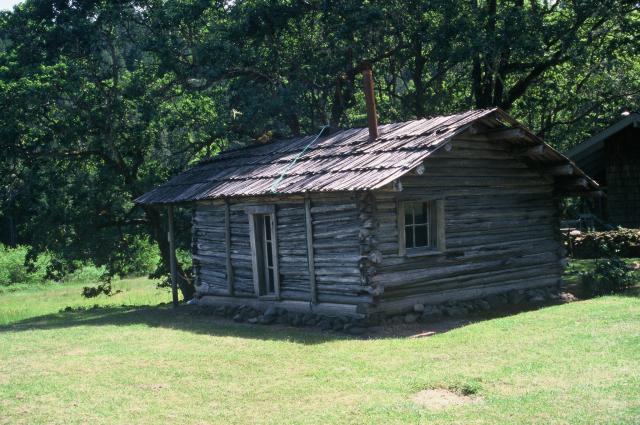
(158,233)
(418,70)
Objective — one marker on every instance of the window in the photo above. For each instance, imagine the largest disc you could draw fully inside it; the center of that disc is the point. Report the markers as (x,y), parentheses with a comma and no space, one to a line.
(420,226)
(264,252)
(267,261)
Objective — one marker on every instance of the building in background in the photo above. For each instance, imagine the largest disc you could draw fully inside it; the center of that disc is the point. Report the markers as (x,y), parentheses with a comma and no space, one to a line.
(612,158)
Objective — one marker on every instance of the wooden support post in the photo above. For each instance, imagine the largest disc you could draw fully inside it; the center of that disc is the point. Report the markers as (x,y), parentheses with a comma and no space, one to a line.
(310,257)
(172,258)
(227,246)
(440,225)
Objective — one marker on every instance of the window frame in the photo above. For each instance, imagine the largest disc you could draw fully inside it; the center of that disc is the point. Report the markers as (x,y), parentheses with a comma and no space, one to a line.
(259,252)
(435,224)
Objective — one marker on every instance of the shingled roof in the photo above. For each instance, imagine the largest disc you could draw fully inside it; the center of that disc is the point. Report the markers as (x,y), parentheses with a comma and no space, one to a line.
(345,160)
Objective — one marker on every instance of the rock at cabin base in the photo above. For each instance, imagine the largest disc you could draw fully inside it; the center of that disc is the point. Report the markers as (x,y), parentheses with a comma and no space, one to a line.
(483,305)
(267,320)
(410,318)
(271,311)
(496,300)
(325,324)
(356,330)
(309,319)
(554,296)
(455,311)
(536,299)
(418,308)
(337,325)
(516,297)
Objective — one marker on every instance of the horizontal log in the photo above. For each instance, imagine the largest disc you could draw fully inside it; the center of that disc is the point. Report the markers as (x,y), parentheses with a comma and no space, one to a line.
(452,270)
(332,208)
(435,162)
(492,277)
(531,150)
(488,181)
(391,307)
(479,172)
(475,144)
(570,183)
(500,134)
(560,170)
(328,309)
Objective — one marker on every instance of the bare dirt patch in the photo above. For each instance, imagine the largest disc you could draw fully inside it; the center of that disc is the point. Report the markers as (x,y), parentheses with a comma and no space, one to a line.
(153,387)
(440,398)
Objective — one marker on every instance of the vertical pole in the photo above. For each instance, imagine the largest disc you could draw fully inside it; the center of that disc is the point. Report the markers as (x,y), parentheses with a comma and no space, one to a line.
(313,292)
(227,246)
(370,101)
(172,258)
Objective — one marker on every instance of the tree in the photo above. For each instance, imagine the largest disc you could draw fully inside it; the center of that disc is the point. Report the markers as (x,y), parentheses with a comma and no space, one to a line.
(104,100)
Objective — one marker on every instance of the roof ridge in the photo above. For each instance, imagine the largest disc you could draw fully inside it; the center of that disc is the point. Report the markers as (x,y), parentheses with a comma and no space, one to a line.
(334,133)
(343,160)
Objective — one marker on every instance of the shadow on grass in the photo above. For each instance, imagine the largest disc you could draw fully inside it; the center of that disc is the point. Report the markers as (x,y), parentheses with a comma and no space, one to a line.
(188,318)
(184,318)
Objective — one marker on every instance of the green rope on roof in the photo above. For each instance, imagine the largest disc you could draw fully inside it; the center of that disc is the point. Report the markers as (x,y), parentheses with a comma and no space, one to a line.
(275,184)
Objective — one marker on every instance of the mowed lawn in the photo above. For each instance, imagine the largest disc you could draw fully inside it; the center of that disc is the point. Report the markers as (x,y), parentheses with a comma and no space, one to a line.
(577,363)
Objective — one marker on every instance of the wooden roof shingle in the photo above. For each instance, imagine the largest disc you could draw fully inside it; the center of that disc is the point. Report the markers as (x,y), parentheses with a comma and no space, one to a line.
(345,160)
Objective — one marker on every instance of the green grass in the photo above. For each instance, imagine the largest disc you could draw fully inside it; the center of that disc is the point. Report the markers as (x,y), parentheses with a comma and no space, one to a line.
(576,267)
(577,363)
(45,299)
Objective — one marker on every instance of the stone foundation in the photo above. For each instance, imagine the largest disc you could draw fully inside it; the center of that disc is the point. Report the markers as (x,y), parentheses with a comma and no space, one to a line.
(356,326)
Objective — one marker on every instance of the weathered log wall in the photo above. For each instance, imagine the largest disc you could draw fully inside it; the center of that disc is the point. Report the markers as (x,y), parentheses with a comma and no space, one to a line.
(335,227)
(500,234)
(500,229)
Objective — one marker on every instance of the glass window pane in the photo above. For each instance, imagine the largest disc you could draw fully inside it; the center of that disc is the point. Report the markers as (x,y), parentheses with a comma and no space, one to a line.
(408,236)
(419,211)
(269,254)
(422,235)
(408,213)
(270,286)
(267,227)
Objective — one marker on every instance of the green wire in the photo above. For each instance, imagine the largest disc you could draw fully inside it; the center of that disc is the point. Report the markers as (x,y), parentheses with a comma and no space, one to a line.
(274,185)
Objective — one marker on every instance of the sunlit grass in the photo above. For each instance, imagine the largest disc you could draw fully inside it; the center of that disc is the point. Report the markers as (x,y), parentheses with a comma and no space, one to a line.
(50,298)
(577,363)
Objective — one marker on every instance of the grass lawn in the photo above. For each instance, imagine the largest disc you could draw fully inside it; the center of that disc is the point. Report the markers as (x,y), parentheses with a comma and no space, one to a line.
(577,363)
(42,300)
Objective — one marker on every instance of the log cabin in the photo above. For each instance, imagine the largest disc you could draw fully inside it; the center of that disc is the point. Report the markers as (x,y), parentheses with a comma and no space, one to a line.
(612,157)
(375,220)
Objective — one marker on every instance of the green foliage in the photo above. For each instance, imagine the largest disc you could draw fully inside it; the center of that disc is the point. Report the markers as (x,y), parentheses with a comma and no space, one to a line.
(624,242)
(102,288)
(183,258)
(136,256)
(18,268)
(101,101)
(610,276)
(87,273)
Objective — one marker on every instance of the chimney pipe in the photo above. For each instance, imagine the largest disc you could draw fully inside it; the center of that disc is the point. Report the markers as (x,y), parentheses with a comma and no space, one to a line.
(372,118)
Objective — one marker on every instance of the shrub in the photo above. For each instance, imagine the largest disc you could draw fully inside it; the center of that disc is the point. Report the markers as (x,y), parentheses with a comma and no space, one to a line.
(610,275)
(625,242)
(103,288)
(136,256)
(86,273)
(17,267)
